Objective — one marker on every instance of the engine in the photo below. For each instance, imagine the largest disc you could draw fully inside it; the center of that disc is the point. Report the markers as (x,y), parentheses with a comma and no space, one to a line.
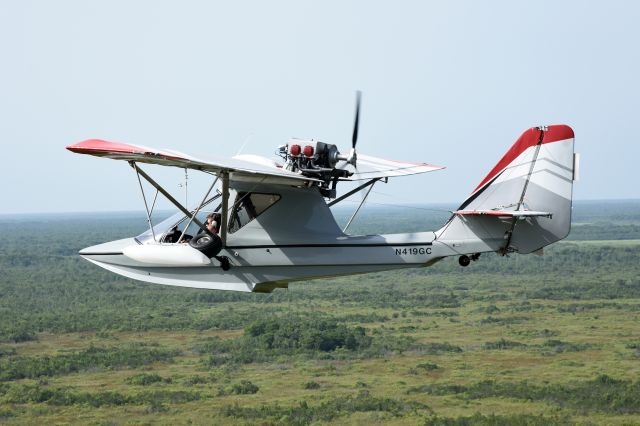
(317,160)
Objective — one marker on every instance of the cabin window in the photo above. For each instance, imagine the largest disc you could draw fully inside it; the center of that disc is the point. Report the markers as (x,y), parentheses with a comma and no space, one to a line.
(248,206)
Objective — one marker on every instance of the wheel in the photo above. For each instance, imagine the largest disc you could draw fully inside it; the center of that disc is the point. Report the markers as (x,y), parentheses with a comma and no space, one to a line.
(464,260)
(224,262)
(209,245)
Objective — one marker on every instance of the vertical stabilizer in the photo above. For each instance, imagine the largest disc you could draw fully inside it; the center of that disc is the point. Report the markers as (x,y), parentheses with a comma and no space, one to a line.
(524,202)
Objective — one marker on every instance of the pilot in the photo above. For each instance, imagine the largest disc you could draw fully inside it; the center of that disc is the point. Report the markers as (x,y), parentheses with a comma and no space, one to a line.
(213,222)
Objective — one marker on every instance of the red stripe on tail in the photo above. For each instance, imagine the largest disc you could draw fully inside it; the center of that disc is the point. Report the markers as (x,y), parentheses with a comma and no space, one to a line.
(528,139)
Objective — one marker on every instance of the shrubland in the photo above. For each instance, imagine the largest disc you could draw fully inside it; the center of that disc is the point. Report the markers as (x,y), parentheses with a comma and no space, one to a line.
(507,341)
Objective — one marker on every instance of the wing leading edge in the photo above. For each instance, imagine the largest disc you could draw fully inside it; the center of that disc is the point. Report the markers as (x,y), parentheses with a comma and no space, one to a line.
(237,167)
(372,167)
(243,167)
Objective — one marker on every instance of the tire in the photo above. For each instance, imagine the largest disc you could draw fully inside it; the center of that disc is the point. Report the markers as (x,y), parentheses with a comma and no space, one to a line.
(224,262)
(209,245)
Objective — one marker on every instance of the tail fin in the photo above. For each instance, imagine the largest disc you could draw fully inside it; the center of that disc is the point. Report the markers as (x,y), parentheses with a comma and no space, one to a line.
(524,203)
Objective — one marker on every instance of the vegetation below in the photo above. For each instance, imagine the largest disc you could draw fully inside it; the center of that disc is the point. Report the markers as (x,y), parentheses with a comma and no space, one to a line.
(493,420)
(603,393)
(69,397)
(304,413)
(132,356)
(523,340)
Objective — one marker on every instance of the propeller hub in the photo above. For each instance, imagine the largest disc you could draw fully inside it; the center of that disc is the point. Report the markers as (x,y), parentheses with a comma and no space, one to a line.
(353,157)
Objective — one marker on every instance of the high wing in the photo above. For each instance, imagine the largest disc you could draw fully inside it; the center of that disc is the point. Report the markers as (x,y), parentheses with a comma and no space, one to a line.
(372,167)
(244,167)
(240,169)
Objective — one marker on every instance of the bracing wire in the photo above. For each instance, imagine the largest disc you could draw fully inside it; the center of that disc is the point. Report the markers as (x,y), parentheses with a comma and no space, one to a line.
(404,206)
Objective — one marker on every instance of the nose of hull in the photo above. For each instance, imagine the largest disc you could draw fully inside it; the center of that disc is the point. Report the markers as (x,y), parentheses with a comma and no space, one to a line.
(110,252)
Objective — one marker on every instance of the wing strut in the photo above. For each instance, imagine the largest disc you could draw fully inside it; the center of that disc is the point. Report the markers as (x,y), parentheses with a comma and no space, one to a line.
(353,191)
(166,194)
(225,207)
(359,205)
(198,209)
(144,198)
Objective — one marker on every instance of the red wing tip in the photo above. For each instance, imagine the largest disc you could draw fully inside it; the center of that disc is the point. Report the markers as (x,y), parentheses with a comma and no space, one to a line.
(86,144)
(435,166)
(99,145)
(101,148)
(419,164)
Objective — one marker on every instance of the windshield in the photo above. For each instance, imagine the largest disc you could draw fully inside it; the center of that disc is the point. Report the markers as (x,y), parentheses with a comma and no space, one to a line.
(179,220)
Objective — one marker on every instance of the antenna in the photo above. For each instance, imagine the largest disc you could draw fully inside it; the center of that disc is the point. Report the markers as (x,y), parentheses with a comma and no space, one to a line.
(246,140)
(185,186)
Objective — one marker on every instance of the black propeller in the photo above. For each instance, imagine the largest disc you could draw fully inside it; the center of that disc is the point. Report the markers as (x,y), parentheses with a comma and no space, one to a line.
(356,122)
(352,157)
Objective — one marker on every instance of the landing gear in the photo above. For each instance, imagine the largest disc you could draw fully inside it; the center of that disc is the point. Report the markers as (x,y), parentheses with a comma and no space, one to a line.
(465,260)
(224,262)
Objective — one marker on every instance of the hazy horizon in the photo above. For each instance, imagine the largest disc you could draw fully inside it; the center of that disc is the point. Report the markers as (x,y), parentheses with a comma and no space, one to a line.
(366,206)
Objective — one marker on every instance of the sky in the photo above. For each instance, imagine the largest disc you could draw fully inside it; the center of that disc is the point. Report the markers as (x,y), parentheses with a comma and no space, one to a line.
(452,83)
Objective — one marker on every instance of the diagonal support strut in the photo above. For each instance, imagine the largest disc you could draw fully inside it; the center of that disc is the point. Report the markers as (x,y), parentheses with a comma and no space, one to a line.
(169,196)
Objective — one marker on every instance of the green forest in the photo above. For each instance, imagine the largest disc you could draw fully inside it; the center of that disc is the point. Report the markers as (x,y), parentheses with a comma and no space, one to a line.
(517,340)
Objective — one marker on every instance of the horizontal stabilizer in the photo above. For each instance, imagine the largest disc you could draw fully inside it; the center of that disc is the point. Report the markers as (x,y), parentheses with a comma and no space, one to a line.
(504,213)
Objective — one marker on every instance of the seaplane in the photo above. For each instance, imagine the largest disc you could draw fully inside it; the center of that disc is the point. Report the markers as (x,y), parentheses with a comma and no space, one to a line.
(274,223)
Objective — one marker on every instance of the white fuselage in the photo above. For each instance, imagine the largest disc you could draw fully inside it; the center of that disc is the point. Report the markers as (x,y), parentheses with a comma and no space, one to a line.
(263,267)
(294,239)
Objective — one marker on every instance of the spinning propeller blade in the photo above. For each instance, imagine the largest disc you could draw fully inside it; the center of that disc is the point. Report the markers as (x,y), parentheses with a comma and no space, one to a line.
(352,158)
(356,123)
